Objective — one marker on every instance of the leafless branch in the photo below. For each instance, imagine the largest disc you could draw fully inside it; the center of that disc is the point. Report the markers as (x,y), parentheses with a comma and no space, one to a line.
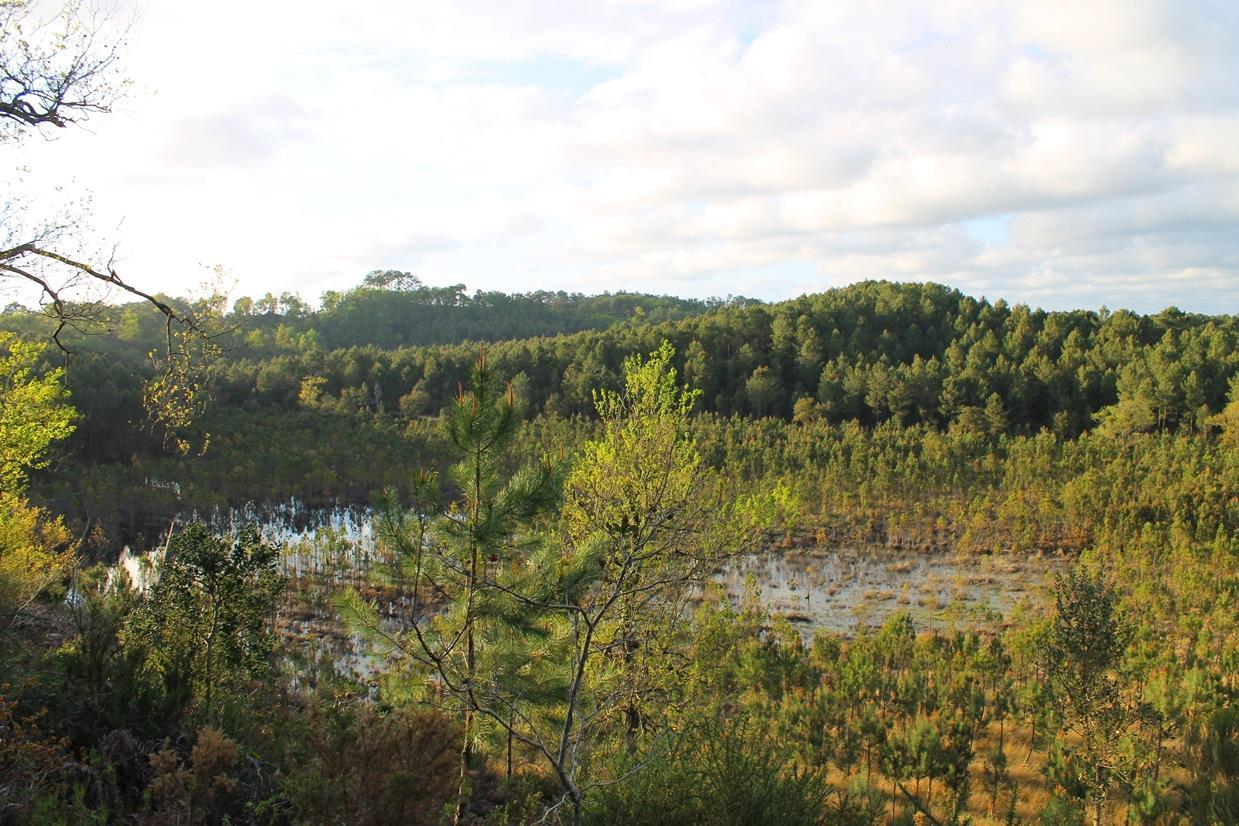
(56,72)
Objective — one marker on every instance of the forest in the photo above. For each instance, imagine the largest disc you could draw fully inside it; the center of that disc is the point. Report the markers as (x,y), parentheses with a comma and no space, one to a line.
(551,605)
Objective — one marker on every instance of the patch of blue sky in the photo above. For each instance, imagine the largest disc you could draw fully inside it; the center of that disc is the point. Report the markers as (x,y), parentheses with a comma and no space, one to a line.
(994,230)
(1037,52)
(753,19)
(575,77)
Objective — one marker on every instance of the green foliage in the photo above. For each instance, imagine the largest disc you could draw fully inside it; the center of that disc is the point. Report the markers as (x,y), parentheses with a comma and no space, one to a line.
(1081,658)
(718,774)
(1214,792)
(1084,644)
(99,684)
(34,411)
(1126,418)
(763,391)
(35,552)
(392,280)
(643,466)
(175,397)
(1062,812)
(476,652)
(207,621)
(1228,419)
(34,546)
(643,520)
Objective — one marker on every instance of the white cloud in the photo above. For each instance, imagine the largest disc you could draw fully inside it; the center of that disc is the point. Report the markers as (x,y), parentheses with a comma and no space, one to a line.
(679,146)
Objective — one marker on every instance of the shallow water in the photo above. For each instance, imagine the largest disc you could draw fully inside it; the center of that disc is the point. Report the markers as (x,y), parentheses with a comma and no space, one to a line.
(834,589)
(839,589)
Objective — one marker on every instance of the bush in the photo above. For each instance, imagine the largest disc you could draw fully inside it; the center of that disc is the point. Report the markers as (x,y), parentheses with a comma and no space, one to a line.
(362,766)
(32,764)
(716,775)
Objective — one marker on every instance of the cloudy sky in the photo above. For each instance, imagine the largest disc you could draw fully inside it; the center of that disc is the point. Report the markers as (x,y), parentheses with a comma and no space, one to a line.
(1054,152)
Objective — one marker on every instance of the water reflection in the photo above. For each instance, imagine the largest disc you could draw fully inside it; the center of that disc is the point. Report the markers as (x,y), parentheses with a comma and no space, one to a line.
(816,588)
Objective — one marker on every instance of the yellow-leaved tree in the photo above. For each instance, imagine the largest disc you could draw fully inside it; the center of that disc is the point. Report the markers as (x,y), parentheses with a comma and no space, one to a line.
(1227,421)
(34,412)
(645,522)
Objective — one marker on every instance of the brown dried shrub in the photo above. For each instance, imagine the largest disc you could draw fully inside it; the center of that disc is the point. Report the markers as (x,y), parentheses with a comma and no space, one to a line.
(364,766)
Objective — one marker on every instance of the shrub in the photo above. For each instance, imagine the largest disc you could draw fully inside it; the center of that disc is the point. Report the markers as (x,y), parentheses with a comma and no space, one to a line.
(720,774)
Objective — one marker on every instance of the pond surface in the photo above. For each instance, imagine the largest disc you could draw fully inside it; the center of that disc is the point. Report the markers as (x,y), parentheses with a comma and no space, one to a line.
(817,588)
(839,589)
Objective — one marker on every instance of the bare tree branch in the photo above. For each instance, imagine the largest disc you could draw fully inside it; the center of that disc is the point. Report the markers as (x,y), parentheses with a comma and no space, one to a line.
(55,72)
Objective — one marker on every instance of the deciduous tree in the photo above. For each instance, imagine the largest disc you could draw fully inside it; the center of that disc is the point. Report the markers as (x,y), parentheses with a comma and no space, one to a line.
(54,73)
(34,412)
(208,619)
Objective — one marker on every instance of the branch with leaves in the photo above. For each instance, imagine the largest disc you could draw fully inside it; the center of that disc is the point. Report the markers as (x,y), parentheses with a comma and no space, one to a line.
(58,72)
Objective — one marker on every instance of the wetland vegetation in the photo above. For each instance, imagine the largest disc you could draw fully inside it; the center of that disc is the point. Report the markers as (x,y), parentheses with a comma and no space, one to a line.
(887,554)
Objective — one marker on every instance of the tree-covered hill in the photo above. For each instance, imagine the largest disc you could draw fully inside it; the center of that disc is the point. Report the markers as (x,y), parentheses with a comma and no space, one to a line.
(871,352)
(911,422)
(388,309)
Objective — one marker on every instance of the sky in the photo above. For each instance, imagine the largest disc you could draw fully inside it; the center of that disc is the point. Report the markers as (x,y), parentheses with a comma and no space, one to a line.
(1050,152)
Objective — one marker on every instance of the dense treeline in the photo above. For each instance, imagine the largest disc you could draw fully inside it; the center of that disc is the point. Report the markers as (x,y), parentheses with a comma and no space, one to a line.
(871,352)
(412,315)
(111,362)
(388,310)
(874,352)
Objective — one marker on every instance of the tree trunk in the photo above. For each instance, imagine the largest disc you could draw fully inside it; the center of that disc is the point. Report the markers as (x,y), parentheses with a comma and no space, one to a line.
(576,807)
(993,799)
(462,786)
(210,658)
(466,751)
(632,714)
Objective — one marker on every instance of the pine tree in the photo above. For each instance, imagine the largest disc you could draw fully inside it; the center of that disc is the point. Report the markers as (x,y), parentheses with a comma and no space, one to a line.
(1081,655)
(462,628)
